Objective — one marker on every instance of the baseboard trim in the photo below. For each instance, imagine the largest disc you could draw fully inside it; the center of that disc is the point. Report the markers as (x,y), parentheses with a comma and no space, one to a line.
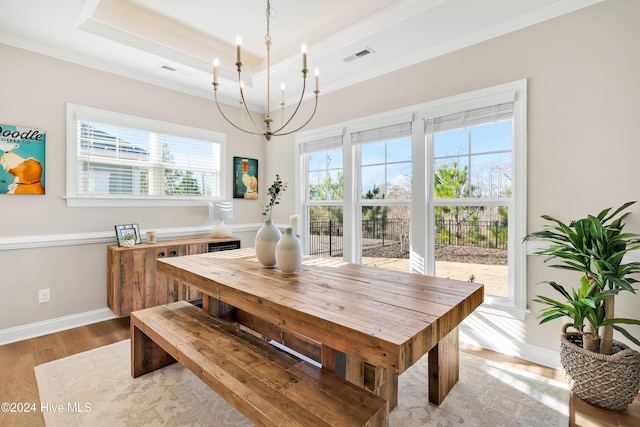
(530,353)
(46,327)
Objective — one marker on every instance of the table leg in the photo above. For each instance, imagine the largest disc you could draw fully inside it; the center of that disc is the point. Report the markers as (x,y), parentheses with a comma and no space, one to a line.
(382,382)
(444,367)
(378,380)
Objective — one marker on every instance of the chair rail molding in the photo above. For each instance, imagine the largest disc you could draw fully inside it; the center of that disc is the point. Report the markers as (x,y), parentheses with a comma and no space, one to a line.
(108,237)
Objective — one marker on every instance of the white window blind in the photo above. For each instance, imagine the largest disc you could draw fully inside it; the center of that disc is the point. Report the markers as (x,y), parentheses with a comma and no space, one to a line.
(468,118)
(321,144)
(126,157)
(383,133)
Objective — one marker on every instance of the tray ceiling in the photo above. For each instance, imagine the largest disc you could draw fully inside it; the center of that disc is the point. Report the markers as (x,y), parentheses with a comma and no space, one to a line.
(172,44)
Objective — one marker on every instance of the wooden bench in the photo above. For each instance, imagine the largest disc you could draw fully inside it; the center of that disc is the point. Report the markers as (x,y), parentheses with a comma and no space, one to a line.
(269,386)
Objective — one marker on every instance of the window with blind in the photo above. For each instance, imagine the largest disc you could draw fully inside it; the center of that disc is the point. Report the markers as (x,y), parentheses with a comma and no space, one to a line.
(384,167)
(476,209)
(385,162)
(472,153)
(119,159)
(323,166)
(471,197)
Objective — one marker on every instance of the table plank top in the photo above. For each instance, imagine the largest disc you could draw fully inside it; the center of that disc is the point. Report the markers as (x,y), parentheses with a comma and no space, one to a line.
(387,318)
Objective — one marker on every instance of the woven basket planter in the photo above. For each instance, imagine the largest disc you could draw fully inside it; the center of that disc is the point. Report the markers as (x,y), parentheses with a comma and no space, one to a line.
(608,381)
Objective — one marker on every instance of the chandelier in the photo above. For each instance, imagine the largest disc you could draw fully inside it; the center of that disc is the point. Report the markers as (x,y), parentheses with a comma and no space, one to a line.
(267,131)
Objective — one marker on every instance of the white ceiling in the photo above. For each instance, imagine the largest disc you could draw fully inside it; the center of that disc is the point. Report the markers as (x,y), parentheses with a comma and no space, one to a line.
(136,38)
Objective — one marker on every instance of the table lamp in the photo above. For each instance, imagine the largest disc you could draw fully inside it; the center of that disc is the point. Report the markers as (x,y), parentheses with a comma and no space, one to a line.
(221,210)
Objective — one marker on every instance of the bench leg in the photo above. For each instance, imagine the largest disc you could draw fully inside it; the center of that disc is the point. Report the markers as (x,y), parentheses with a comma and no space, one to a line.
(146,355)
(218,308)
(444,367)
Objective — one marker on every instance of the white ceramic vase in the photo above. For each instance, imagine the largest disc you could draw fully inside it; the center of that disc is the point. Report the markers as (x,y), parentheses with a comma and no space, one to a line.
(289,252)
(266,240)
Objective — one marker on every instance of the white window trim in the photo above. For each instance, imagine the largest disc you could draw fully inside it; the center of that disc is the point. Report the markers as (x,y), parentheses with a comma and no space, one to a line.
(514,307)
(80,112)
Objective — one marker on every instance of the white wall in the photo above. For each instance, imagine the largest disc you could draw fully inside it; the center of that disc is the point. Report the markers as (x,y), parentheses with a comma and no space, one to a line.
(583,109)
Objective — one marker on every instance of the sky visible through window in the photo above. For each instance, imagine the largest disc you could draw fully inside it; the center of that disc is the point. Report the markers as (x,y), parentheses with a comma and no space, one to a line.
(325,170)
(386,166)
(485,152)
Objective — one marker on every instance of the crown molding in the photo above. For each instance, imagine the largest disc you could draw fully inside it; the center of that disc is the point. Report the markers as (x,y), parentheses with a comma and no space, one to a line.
(495,31)
(396,13)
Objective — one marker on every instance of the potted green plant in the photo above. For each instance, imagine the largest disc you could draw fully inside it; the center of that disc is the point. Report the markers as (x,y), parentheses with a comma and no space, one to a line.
(275,192)
(128,240)
(600,370)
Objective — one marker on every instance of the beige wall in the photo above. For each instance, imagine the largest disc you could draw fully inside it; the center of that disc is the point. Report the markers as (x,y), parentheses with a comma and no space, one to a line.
(34,90)
(583,107)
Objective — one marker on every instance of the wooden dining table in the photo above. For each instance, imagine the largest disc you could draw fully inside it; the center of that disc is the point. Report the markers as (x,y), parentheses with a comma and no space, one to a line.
(366,323)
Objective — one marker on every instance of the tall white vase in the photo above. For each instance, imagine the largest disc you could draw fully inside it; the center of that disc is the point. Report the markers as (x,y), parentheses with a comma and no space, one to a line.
(266,240)
(289,252)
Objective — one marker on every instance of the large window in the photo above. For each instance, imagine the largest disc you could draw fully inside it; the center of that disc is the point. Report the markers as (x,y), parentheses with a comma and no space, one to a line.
(115,158)
(475,181)
(472,190)
(443,183)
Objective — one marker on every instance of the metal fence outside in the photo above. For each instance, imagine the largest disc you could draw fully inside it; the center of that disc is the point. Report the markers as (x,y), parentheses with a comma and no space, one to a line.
(481,234)
(326,237)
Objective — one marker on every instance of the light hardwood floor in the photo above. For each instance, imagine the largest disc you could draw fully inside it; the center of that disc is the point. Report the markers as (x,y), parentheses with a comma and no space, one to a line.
(18,383)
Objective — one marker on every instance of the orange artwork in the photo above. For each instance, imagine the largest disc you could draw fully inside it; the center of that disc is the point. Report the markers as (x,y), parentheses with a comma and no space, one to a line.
(22,160)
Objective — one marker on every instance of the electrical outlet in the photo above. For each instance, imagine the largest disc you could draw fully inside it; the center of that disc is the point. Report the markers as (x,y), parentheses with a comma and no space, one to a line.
(44,295)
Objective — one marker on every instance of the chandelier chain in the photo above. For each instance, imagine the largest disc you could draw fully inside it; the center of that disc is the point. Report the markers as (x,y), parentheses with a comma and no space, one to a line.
(269,16)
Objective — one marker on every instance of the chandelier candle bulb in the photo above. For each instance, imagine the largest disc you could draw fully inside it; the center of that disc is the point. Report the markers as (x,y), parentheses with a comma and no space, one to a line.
(282,99)
(304,57)
(238,44)
(317,73)
(216,63)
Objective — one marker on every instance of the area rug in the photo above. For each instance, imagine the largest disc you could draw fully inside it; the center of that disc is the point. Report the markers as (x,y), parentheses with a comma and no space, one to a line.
(95,388)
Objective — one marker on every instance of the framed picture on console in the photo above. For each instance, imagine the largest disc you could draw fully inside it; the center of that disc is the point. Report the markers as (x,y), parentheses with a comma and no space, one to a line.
(126,230)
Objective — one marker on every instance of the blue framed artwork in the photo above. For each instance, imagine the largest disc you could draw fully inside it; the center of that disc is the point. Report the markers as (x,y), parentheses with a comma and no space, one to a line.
(22,160)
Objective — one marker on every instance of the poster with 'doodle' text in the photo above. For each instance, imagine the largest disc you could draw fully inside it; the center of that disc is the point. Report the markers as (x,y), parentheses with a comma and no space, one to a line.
(22,160)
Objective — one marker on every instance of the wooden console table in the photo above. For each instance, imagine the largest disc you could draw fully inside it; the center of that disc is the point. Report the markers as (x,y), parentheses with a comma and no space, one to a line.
(132,283)
(383,321)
